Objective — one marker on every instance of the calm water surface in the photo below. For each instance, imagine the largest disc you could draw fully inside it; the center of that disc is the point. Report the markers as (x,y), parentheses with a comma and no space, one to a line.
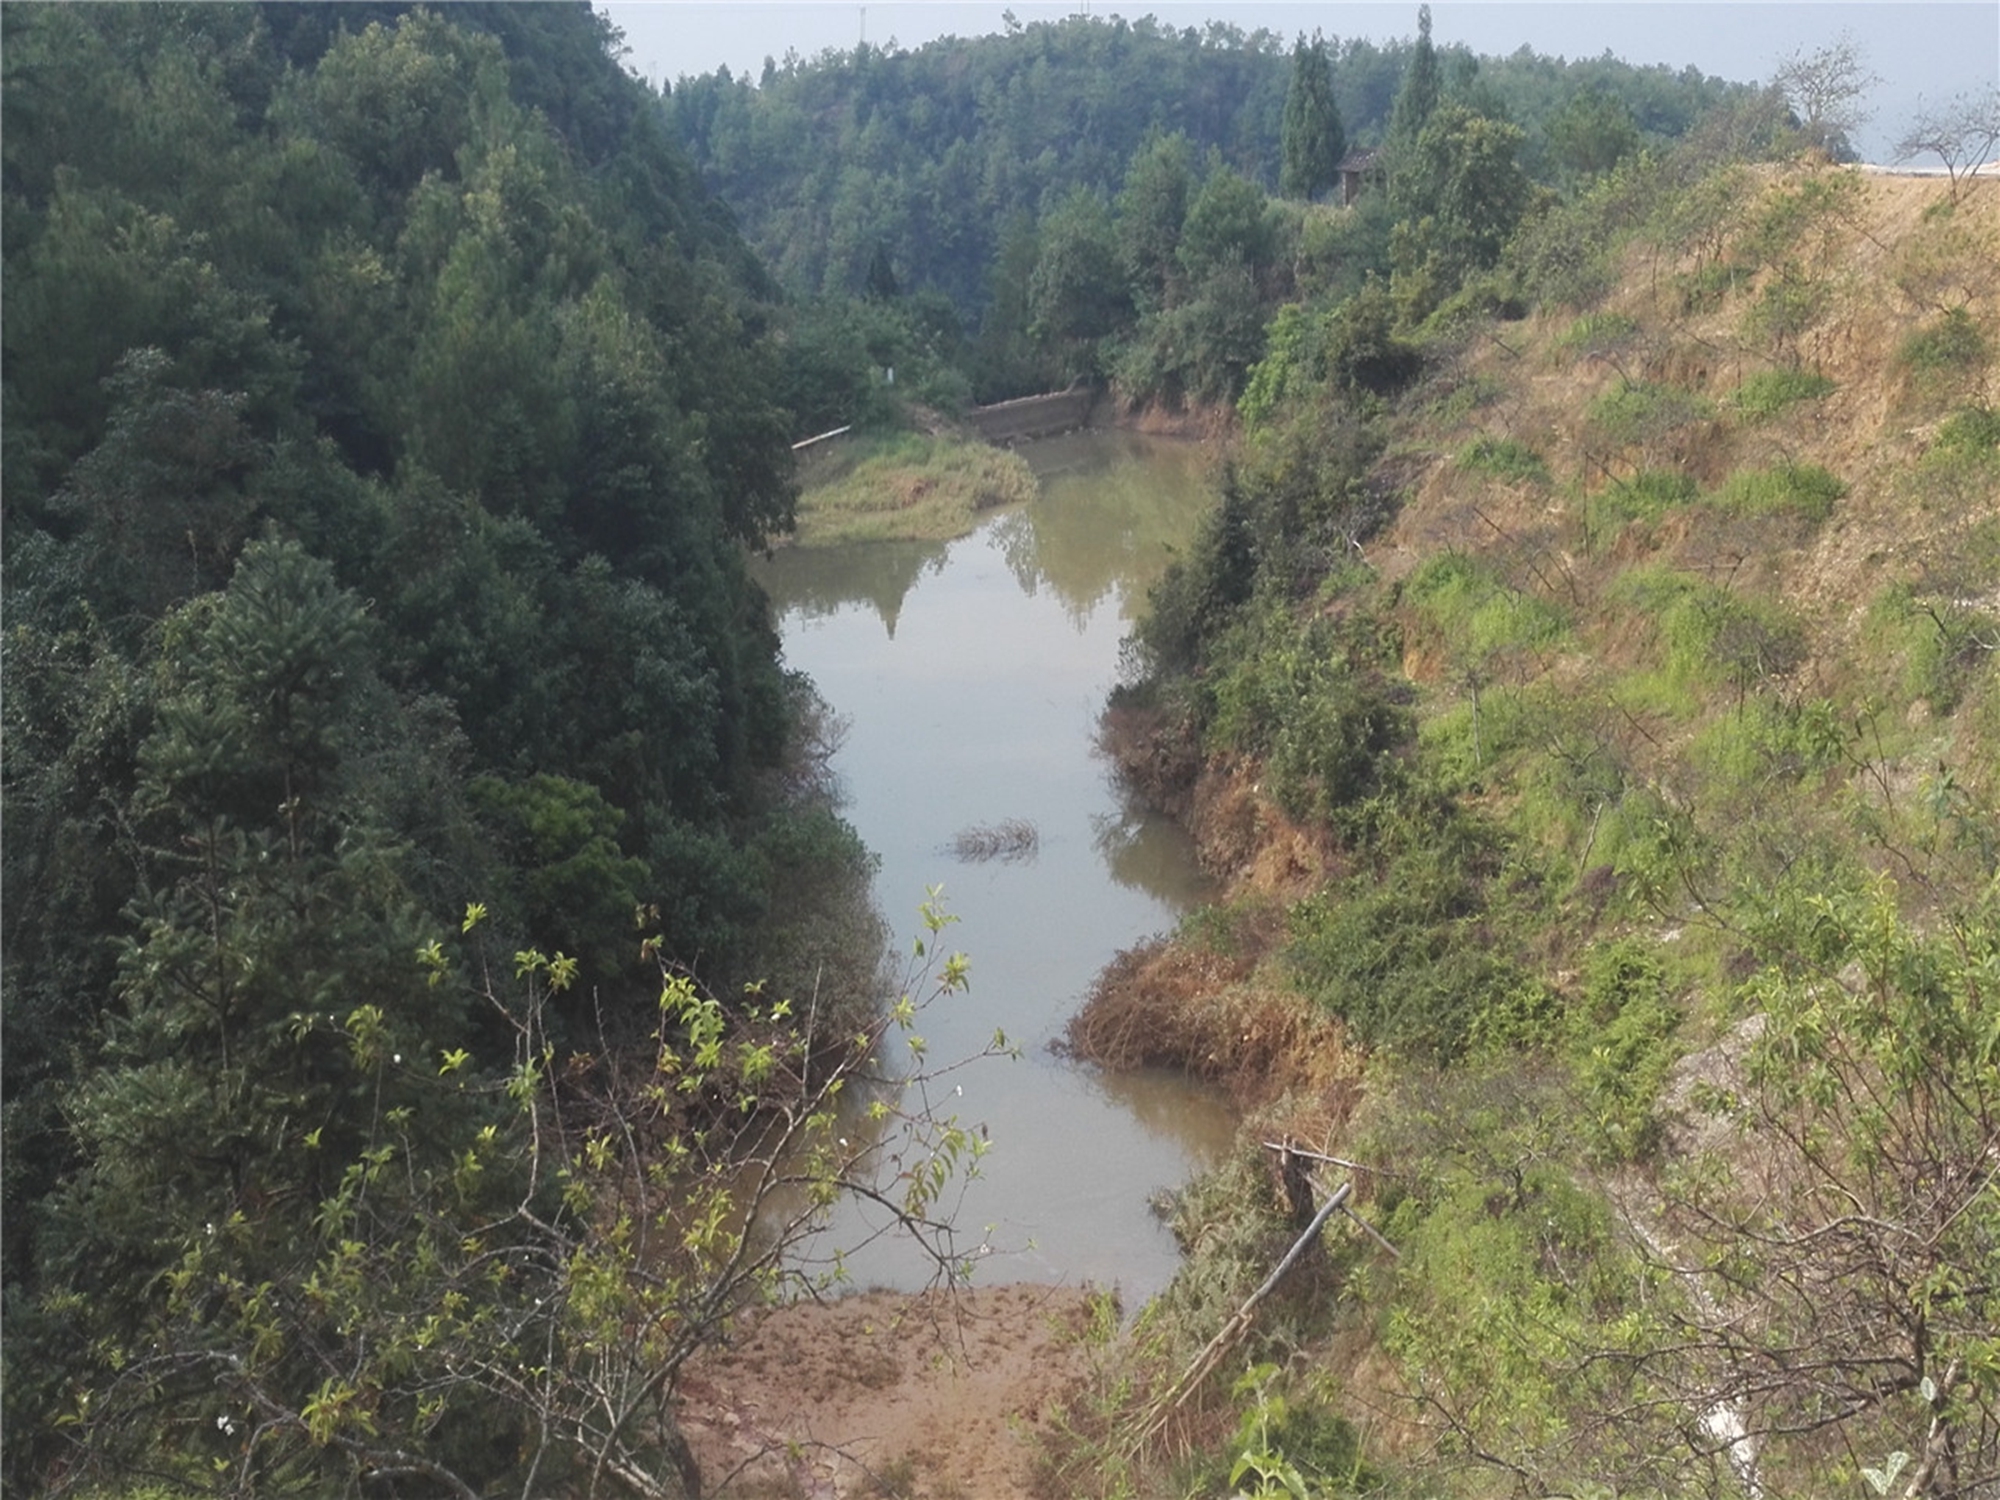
(972,675)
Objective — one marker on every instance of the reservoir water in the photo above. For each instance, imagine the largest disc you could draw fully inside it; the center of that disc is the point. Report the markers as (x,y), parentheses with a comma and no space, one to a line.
(971,675)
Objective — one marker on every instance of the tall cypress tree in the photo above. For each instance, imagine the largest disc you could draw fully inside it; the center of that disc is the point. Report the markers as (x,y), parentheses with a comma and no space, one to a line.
(1422,86)
(1313,140)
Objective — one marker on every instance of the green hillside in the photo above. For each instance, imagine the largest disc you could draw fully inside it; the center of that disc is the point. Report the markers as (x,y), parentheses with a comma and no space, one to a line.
(1026,191)
(1603,737)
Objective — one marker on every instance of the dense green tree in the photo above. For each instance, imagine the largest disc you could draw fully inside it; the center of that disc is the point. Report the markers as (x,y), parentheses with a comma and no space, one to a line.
(1460,196)
(1005,362)
(310,306)
(1314,140)
(272,902)
(1077,293)
(1225,223)
(1592,134)
(1152,208)
(933,151)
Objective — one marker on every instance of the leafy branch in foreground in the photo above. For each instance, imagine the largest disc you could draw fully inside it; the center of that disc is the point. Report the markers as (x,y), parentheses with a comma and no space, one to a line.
(507,1278)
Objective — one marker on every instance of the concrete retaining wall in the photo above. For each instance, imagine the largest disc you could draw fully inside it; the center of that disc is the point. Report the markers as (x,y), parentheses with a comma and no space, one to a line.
(1033,416)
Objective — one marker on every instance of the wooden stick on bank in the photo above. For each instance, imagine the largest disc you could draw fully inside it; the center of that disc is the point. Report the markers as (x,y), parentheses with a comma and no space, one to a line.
(1287,1151)
(1232,1331)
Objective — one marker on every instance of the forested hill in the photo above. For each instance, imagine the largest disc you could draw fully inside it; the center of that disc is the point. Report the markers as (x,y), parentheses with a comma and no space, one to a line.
(931,154)
(387,409)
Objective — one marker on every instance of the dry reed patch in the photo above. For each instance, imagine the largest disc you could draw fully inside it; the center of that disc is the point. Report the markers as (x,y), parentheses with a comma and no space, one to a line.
(1009,841)
(1172,1004)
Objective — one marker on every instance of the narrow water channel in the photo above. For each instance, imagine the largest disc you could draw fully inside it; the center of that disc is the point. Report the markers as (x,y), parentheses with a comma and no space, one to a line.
(971,676)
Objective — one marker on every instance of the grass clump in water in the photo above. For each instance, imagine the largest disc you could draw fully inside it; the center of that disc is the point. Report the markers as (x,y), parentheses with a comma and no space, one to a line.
(1010,840)
(906,487)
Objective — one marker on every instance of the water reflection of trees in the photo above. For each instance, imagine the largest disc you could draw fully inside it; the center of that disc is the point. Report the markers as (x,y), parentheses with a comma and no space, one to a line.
(1145,852)
(1202,1125)
(820,581)
(1113,508)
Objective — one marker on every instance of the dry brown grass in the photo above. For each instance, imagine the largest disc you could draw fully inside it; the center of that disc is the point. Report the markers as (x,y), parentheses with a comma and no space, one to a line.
(1206,1011)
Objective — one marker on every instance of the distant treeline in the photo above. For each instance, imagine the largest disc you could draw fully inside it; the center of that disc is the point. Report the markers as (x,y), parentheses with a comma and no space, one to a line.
(1024,192)
(930,152)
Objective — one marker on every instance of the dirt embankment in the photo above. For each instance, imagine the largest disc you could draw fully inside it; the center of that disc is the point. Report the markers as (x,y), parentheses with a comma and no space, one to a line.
(1201,1002)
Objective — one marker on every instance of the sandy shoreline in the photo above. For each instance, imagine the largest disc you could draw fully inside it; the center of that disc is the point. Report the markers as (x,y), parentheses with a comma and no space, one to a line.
(932,1395)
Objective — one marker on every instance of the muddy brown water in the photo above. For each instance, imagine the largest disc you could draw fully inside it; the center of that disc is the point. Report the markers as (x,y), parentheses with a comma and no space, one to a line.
(972,674)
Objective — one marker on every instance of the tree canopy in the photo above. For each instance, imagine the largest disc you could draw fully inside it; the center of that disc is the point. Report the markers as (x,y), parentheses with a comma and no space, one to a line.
(1314,140)
(388,412)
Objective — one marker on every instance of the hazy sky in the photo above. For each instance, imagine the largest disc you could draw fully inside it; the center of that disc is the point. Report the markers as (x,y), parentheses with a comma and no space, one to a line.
(1927,50)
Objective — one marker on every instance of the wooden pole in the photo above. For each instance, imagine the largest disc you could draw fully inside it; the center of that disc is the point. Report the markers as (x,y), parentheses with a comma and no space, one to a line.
(1232,1332)
(1338,1161)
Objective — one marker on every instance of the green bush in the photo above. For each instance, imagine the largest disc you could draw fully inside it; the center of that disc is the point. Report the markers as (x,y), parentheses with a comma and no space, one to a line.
(1621,1047)
(1478,614)
(1504,459)
(1790,305)
(1408,953)
(1461,742)
(576,886)
(1280,1439)
(1365,349)
(1566,256)
(1315,702)
(1802,490)
(1711,635)
(1769,392)
(1640,414)
(1819,202)
(1458,398)
(1597,334)
(1646,496)
(1405,968)
(1767,743)
(1971,432)
(1960,473)
(1948,345)
(1943,644)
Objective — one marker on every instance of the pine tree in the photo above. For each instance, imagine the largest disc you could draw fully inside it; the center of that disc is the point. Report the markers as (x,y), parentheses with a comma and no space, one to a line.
(1313,140)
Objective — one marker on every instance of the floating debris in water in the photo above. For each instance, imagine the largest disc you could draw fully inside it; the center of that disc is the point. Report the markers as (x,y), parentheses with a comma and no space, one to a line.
(1014,839)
